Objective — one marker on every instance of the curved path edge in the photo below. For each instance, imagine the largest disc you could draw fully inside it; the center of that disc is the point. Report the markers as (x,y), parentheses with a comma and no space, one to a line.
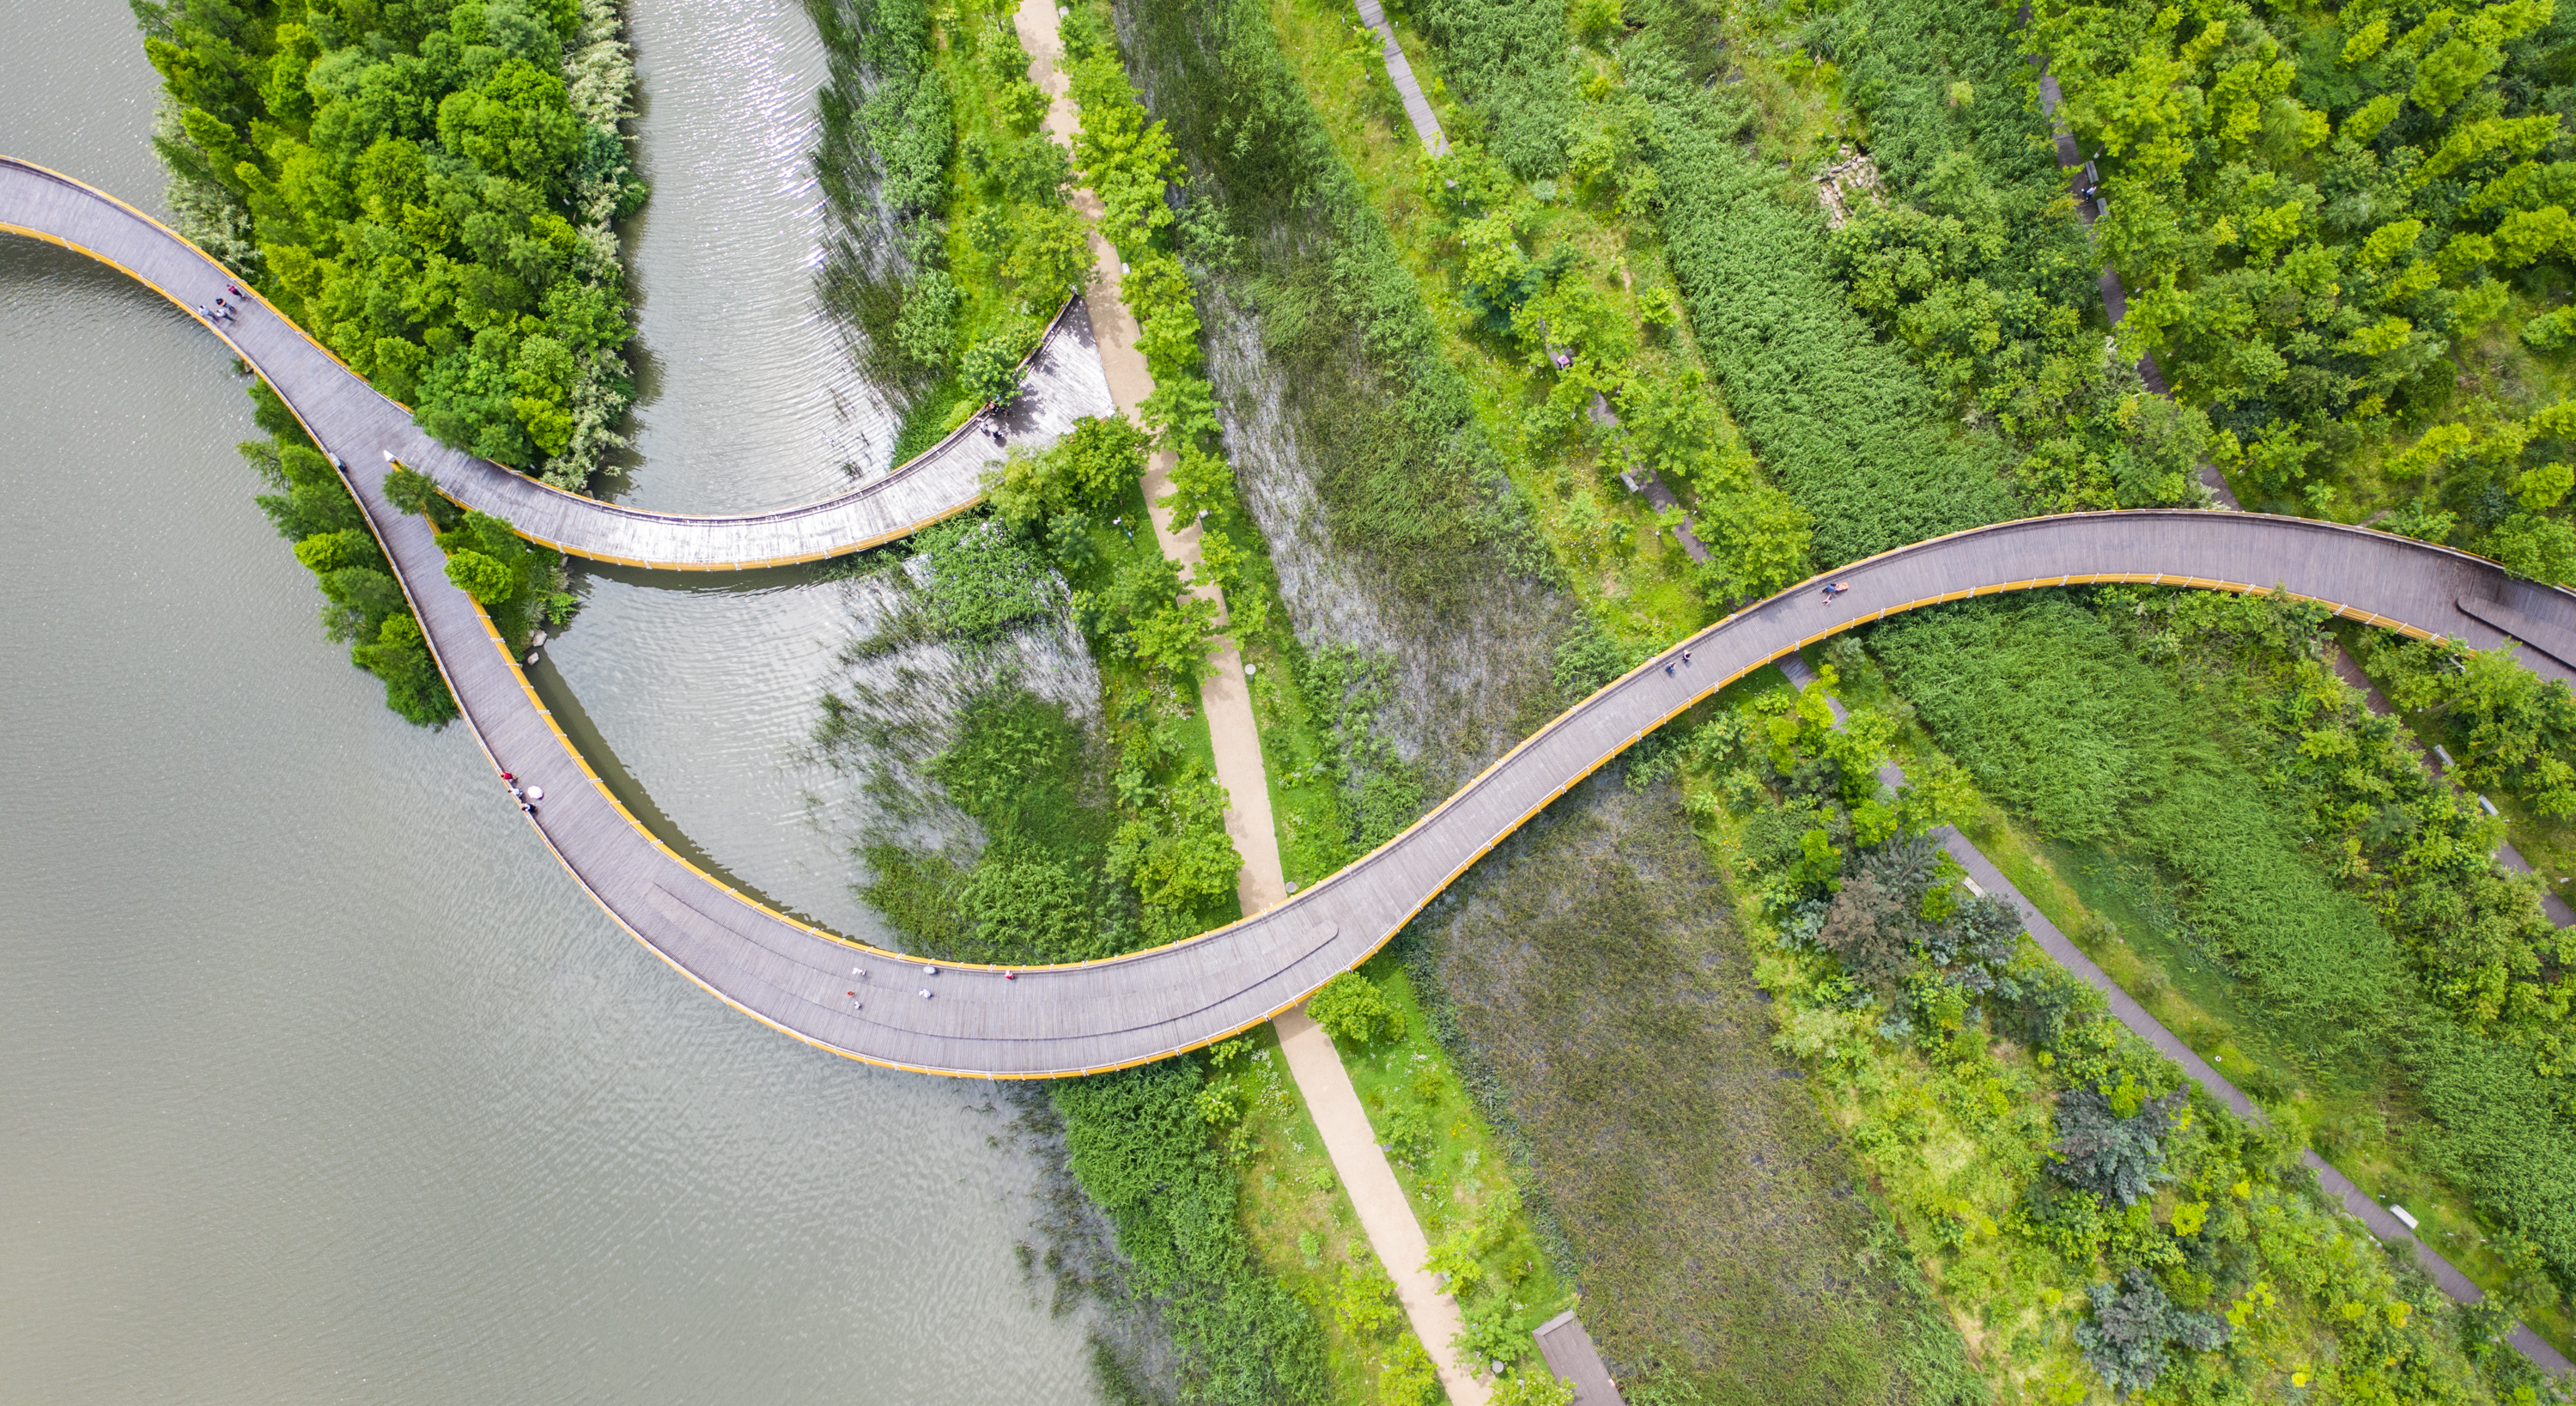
(1061,383)
(890,1010)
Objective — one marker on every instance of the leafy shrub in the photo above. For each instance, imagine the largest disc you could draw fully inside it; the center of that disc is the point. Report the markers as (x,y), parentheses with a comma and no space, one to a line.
(1533,1386)
(414,688)
(1087,472)
(2509,729)
(1898,911)
(1350,1007)
(1178,857)
(984,578)
(515,580)
(2134,1324)
(1137,1145)
(1144,615)
(2112,1141)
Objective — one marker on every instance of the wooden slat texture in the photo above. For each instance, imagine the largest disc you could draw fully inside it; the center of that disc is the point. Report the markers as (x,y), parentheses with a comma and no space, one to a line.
(1062,383)
(1127,1010)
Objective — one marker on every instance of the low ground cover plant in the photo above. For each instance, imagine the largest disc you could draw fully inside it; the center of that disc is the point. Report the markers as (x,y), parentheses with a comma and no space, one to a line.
(1597,997)
(1842,419)
(2097,1225)
(2307,850)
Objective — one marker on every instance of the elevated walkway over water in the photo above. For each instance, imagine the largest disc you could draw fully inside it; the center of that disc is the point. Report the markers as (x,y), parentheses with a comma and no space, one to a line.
(869,1005)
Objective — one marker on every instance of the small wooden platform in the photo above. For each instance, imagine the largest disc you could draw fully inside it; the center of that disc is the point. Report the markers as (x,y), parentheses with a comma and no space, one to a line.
(1569,1353)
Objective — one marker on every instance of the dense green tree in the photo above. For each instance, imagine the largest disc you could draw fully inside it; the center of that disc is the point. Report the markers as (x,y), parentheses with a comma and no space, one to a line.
(417,182)
(1351,1008)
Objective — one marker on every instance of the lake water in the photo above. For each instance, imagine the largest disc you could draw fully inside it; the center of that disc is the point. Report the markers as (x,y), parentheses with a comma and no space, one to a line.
(324,1084)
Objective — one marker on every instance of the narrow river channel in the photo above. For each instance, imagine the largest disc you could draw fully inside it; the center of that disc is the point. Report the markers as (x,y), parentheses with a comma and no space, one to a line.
(323,1083)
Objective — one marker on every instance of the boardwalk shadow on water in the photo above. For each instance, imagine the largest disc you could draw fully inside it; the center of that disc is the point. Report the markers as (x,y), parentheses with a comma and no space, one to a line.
(1592,971)
(608,628)
(622,783)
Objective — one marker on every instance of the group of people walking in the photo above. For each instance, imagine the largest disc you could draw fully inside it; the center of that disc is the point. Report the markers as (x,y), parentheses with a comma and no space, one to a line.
(527,796)
(223,311)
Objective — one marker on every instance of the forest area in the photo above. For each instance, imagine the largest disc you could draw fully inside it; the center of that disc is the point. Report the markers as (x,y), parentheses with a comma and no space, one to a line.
(432,192)
(1812,268)
(1623,266)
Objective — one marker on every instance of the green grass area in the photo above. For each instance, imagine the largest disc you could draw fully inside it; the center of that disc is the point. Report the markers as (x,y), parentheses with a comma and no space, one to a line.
(1297,762)
(1593,982)
(1455,1173)
(1956,1101)
(1309,1238)
(2110,909)
(1603,277)
(2374,1106)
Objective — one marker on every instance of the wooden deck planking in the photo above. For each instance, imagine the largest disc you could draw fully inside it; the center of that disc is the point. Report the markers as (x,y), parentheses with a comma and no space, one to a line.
(1062,1020)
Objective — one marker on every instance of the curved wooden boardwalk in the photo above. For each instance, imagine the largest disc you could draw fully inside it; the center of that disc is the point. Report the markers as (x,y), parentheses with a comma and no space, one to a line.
(1127,1010)
(1063,384)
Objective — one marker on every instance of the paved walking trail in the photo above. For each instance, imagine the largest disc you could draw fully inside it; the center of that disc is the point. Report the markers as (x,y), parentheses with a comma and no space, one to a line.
(1988,879)
(1227,695)
(1378,1199)
(1057,1021)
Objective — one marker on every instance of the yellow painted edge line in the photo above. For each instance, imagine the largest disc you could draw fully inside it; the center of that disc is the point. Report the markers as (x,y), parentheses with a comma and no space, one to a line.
(1544,732)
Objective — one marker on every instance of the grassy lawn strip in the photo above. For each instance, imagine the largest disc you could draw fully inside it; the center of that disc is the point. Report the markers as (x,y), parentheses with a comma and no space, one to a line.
(2195,898)
(1455,1176)
(2196,1259)
(1511,273)
(1308,1237)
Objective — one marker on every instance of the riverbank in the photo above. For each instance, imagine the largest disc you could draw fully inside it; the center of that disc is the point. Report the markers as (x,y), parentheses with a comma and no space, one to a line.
(509,1097)
(498,311)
